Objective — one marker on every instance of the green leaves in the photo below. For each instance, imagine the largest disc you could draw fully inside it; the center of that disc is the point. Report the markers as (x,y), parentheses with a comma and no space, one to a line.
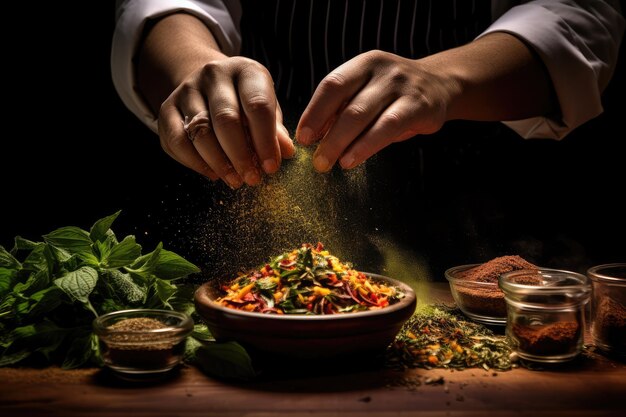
(123,253)
(51,290)
(98,231)
(7,260)
(78,284)
(72,239)
(228,360)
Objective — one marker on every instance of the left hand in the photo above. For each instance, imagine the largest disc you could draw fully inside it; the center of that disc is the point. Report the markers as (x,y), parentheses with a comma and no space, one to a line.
(371,101)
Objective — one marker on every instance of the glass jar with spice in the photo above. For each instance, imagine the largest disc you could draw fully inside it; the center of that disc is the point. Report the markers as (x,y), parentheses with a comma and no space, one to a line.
(142,341)
(608,307)
(545,313)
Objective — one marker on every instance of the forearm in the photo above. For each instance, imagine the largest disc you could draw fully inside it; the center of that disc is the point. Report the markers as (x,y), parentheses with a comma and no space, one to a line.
(496,77)
(173,48)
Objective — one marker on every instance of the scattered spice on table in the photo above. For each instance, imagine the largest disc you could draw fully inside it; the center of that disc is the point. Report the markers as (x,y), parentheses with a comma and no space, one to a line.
(489,301)
(549,339)
(438,337)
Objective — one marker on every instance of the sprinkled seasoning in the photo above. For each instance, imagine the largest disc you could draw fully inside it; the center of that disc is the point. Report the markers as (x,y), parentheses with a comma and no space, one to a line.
(295,205)
(438,337)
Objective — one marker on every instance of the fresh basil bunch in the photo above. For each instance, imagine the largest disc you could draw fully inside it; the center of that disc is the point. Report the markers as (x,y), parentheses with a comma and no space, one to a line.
(51,291)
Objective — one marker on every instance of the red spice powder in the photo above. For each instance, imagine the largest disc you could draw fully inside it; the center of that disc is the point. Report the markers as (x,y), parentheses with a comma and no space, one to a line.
(552,339)
(488,301)
(491,271)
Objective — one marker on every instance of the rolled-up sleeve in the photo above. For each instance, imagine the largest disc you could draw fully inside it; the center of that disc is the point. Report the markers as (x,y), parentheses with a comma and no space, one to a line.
(578,41)
(221,17)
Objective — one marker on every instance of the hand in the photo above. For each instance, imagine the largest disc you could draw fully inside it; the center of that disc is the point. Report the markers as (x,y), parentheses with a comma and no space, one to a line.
(371,101)
(243,132)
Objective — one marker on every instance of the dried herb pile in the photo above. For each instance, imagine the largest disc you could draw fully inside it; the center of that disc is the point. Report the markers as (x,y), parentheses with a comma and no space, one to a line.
(438,337)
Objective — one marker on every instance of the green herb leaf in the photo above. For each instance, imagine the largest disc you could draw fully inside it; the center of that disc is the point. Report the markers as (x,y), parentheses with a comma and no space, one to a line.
(72,239)
(123,287)
(8,277)
(24,244)
(81,350)
(98,231)
(7,260)
(228,360)
(171,266)
(164,290)
(42,337)
(44,301)
(78,284)
(123,254)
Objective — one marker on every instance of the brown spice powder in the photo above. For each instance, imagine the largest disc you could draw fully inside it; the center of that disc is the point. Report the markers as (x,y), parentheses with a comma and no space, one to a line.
(609,324)
(133,348)
(550,339)
(488,301)
(491,271)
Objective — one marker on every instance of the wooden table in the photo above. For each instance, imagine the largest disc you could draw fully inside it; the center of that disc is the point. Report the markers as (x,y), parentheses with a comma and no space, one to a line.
(591,386)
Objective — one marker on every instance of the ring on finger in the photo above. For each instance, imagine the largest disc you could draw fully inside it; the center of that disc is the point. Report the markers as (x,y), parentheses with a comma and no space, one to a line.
(197,124)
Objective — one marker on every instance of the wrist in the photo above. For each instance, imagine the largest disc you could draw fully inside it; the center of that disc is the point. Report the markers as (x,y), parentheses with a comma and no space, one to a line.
(174,48)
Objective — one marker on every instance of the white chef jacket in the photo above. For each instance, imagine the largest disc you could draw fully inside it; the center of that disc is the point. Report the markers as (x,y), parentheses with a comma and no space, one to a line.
(578,41)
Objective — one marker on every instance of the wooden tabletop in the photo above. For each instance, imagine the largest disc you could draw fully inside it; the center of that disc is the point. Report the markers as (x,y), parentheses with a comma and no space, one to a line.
(590,386)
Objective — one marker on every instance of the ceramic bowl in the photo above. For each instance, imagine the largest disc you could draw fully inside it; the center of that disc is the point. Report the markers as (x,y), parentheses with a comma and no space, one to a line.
(307,336)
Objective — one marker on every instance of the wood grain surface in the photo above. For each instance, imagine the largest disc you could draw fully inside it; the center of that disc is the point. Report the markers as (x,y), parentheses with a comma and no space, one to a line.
(592,385)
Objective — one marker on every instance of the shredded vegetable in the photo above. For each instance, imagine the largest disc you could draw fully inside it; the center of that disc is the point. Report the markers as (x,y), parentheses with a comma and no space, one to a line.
(308,280)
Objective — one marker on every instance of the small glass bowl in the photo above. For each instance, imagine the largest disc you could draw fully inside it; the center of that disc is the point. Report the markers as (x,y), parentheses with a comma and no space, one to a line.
(130,346)
(608,307)
(545,313)
(480,301)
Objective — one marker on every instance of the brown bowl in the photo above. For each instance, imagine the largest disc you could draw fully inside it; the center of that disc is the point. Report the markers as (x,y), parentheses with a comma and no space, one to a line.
(307,336)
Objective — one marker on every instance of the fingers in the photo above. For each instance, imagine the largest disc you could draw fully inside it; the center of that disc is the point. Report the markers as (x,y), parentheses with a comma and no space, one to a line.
(350,123)
(204,140)
(285,144)
(239,134)
(258,103)
(336,89)
(393,125)
(175,142)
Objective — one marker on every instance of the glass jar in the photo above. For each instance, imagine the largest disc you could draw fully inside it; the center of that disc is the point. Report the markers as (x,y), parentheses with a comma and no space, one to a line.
(545,313)
(142,341)
(608,307)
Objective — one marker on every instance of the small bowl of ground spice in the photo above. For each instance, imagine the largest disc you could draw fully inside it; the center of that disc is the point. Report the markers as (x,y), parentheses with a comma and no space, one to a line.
(142,342)
(608,307)
(475,288)
(546,311)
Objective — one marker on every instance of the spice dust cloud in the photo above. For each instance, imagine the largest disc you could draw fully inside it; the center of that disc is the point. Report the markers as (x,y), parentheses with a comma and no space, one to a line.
(245,227)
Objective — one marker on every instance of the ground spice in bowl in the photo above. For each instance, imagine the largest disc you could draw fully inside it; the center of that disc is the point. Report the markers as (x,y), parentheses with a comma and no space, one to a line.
(475,287)
(559,338)
(142,341)
(546,309)
(133,347)
(609,325)
(608,308)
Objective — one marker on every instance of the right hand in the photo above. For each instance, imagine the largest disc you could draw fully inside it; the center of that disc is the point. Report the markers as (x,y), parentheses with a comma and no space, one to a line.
(246,135)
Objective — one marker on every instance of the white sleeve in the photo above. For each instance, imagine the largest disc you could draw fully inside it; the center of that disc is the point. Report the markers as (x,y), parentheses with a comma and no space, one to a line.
(221,17)
(578,42)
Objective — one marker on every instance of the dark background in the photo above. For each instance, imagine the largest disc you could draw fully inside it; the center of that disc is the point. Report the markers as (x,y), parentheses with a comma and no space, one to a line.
(76,154)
